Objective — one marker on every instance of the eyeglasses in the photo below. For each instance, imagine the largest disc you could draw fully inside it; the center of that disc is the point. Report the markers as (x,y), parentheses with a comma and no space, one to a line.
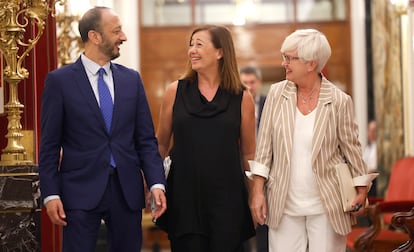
(287,58)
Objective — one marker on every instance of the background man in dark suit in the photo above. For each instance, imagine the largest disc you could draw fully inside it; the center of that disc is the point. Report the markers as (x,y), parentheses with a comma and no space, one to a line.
(97,142)
(252,78)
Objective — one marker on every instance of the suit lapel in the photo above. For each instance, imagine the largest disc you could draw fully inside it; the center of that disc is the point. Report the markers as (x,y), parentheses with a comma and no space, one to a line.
(118,81)
(289,111)
(82,82)
(323,114)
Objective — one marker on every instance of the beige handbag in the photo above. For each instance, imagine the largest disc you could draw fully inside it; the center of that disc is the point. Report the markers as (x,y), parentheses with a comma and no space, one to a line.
(347,185)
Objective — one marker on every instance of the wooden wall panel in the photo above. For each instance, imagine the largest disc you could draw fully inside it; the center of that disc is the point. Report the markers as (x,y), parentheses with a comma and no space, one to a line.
(259,45)
(166,44)
(155,81)
(163,58)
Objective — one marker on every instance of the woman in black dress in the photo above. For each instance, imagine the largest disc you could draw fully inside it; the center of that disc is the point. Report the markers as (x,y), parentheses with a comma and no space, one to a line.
(208,116)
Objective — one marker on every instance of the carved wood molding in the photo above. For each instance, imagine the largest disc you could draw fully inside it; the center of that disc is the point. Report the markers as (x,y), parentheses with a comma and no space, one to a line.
(405,221)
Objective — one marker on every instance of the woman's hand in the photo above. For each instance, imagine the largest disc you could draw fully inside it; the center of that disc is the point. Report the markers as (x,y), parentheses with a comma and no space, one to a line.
(360,201)
(257,200)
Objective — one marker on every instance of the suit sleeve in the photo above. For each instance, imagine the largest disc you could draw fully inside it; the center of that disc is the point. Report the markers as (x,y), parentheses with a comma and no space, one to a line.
(348,138)
(51,136)
(146,142)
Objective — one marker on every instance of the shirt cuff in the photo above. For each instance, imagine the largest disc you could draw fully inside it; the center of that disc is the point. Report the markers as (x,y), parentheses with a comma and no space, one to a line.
(159,186)
(365,180)
(49,198)
(259,169)
(249,175)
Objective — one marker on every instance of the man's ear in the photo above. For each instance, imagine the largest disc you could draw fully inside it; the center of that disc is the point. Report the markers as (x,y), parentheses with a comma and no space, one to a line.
(94,36)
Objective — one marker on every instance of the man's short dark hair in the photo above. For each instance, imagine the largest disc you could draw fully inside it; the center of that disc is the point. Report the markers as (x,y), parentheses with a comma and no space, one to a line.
(251,70)
(91,21)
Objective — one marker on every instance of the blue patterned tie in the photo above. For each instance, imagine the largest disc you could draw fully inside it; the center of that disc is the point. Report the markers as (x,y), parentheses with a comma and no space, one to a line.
(105,100)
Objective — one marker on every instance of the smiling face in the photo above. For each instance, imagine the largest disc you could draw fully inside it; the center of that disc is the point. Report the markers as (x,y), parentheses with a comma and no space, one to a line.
(112,35)
(296,68)
(203,55)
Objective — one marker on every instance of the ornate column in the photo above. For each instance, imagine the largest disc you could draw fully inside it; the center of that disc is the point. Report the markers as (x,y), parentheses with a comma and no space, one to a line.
(15,17)
(69,40)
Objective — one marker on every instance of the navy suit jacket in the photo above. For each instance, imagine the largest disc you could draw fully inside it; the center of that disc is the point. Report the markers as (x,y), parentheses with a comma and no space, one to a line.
(72,120)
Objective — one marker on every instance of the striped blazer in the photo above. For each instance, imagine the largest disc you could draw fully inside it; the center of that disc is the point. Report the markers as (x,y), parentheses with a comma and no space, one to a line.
(335,140)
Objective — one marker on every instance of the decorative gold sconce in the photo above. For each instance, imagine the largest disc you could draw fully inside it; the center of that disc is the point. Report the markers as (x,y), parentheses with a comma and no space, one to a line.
(15,17)
(69,41)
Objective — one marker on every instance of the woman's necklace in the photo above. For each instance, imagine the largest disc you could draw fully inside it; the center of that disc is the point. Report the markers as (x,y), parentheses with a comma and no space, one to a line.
(308,97)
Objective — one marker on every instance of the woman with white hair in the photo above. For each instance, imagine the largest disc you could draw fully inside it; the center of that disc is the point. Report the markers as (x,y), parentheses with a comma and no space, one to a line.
(307,128)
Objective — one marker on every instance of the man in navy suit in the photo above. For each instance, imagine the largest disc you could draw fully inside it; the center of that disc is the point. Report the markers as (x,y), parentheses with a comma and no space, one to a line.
(252,78)
(90,171)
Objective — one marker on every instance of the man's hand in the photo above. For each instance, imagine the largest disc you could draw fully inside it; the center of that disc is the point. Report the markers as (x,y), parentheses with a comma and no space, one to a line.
(55,211)
(158,203)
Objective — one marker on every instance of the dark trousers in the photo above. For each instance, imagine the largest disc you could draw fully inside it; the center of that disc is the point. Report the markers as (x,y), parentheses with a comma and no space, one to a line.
(258,243)
(262,240)
(123,225)
(200,243)
(373,191)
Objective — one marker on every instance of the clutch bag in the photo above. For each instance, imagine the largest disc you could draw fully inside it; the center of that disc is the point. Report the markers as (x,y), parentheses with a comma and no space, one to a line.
(346,186)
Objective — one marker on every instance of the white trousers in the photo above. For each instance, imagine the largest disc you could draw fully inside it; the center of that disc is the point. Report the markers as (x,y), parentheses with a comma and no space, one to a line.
(312,233)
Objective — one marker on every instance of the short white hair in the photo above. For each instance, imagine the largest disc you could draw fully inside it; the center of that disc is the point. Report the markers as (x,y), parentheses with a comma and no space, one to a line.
(310,44)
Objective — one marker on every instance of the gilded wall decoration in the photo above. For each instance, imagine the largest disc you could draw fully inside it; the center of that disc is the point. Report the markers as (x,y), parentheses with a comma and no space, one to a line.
(387,77)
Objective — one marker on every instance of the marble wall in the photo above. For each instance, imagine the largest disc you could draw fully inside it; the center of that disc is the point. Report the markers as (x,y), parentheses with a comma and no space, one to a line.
(19,209)
(387,76)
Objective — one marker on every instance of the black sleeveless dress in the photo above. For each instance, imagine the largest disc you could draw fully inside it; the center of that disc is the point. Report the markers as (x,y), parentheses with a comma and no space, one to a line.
(206,192)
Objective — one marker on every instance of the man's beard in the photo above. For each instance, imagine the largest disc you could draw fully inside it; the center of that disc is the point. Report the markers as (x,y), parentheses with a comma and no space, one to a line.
(107,48)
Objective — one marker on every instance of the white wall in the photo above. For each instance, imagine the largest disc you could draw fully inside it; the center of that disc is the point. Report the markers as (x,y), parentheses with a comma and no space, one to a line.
(128,12)
(359,70)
